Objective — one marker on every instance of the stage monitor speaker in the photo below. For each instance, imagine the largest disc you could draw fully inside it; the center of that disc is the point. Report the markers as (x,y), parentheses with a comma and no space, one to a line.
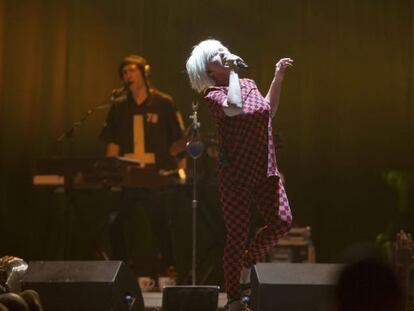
(190,298)
(293,286)
(84,285)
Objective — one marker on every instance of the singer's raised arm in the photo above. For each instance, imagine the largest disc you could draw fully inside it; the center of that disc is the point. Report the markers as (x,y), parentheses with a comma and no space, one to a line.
(273,95)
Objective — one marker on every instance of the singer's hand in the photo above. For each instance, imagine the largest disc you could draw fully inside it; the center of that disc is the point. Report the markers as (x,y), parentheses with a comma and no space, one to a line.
(281,66)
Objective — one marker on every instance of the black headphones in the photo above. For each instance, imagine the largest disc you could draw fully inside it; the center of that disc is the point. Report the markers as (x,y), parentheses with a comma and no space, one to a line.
(141,64)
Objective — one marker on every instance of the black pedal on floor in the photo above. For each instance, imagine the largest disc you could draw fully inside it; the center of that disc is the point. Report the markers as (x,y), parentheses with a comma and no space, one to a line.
(190,298)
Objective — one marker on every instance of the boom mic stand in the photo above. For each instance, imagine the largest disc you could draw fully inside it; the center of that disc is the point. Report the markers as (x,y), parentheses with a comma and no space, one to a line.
(115,96)
(69,133)
(70,200)
(194,149)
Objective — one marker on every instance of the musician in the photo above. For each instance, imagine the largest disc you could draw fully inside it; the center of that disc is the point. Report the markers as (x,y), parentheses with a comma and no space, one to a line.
(247,171)
(143,124)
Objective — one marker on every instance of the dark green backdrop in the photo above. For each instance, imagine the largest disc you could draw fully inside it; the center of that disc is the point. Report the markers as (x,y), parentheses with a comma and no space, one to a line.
(346,113)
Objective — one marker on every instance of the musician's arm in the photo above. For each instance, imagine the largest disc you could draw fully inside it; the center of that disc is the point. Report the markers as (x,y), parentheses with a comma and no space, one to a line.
(112,150)
(178,146)
(182,163)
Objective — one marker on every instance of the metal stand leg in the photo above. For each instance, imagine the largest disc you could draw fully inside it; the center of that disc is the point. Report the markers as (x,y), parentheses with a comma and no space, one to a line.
(195,149)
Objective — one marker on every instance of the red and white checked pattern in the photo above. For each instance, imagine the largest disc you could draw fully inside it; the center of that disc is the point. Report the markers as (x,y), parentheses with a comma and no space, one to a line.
(270,199)
(245,141)
(248,176)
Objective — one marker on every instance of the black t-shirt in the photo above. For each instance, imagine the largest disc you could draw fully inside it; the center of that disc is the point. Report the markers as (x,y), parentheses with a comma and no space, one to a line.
(161,127)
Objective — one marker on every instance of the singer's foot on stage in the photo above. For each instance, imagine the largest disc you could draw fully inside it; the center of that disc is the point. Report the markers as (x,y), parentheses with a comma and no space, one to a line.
(246,292)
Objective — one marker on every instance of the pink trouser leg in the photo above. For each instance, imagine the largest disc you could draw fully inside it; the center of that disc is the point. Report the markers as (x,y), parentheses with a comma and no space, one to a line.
(271,200)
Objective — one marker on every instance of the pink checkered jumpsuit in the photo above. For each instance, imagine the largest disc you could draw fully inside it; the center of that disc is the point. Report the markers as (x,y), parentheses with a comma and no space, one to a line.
(248,176)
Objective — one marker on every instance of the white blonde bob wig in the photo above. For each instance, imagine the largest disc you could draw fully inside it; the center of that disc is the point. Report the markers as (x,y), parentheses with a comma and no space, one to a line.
(197,63)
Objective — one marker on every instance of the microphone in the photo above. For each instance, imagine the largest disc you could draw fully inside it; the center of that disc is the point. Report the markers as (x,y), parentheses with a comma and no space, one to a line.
(124,88)
(241,64)
(119,94)
(118,91)
(235,60)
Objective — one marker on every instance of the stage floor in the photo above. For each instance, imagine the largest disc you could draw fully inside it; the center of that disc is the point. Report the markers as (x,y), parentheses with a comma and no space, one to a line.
(153,300)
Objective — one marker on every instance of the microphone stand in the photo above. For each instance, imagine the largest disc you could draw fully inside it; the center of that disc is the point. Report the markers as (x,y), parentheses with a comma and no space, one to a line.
(70,200)
(69,133)
(194,149)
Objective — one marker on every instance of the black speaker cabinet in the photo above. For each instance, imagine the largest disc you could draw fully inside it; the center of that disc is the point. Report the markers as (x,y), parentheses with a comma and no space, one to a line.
(84,285)
(293,286)
(190,298)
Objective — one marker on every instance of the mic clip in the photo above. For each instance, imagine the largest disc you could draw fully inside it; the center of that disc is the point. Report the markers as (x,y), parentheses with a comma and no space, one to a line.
(195,146)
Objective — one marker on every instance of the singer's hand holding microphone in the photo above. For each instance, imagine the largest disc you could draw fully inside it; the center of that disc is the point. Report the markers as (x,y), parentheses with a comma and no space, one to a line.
(234,62)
